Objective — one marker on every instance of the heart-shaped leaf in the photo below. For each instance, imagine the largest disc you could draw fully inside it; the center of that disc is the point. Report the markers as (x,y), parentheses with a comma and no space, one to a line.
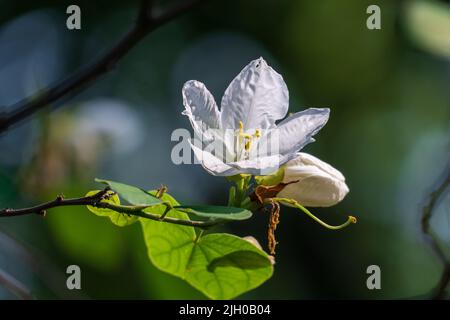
(222,266)
(131,194)
(217,212)
(162,238)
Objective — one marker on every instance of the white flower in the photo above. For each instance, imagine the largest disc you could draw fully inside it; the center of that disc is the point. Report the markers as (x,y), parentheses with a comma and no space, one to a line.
(245,124)
(319,184)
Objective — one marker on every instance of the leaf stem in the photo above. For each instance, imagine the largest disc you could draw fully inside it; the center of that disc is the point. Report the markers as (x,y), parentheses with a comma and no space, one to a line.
(138,211)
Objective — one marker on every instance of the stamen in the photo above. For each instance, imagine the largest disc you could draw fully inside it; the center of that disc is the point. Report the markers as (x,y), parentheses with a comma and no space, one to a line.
(248,144)
(245,140)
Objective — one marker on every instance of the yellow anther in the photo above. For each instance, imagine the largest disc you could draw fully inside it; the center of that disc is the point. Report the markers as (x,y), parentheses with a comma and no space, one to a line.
(248,144)
(245,139)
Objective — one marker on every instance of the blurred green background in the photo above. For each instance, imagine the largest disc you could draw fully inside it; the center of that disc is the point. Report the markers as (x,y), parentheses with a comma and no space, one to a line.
(389,133)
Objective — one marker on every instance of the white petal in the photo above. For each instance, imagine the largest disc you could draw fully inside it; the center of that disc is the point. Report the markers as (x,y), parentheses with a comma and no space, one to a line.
(304,159)
(212,164)
(200,107)
(319,184)
(260,166)
(258,96)
(297,130)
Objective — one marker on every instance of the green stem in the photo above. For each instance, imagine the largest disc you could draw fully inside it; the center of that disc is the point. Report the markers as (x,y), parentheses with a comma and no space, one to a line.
(231,196)
(241,189)
(249,204)
(163,216)
(239,192)
(138,211)
(297,205)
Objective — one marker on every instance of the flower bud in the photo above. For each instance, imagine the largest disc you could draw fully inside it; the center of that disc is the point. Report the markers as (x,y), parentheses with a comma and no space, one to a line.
(318,184)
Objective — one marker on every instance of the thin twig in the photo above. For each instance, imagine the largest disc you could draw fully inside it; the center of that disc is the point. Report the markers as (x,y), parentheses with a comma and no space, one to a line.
(146,22)
(96,201)
(58,202)
(430,237)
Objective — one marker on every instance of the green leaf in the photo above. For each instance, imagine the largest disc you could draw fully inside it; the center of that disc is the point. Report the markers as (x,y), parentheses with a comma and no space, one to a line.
(117,218)
(272,179)
(218,212)
(131,194)
(168,245)
(221,266)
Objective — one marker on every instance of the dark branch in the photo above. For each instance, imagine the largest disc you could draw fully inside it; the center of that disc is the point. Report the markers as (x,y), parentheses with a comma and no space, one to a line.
(427,213)
(96,201)
(58,202)
(146,22)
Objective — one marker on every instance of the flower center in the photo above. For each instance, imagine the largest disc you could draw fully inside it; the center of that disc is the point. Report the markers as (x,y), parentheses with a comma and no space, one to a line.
(244,141)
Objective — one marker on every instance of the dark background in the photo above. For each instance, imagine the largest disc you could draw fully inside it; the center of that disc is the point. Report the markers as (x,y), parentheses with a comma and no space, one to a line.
(389,95)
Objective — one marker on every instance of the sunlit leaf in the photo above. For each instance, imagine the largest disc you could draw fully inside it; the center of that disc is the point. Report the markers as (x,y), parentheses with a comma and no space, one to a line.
(162,238)
(131,194)
(221,266)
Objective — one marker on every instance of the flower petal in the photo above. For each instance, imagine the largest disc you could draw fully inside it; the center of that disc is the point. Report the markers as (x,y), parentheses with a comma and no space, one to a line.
(319,184)
(304,159)
(260,166)
(297,130)
(258,96)
(211,163)
(200,107)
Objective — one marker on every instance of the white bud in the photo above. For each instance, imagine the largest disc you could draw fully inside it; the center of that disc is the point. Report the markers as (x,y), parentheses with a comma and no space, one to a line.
(319,184)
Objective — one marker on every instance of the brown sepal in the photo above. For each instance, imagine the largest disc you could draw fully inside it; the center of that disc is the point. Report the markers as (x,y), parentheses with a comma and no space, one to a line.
(266,192)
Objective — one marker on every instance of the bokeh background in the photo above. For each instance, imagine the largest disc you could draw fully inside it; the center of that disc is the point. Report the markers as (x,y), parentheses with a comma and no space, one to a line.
(389,133)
